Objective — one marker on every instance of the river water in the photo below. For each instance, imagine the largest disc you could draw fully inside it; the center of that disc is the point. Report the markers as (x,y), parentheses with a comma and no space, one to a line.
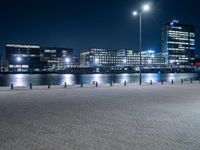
(58,79)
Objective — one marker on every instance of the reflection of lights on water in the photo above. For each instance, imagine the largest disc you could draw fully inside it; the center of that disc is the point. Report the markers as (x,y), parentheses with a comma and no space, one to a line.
(97,77)
(150,76)
(19,80)
(124,77)
(68,78)
(171,76)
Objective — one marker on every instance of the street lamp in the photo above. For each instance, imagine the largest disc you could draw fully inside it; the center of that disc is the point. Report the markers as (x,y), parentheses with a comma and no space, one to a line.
(145,8)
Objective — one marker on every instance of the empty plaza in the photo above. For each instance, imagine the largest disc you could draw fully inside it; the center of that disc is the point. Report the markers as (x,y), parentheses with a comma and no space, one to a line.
(104,118)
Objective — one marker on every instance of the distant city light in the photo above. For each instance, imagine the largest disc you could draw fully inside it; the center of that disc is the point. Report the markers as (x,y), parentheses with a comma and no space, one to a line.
(152,56)
(172,61)
(151,51)
(22,46)
(67,60)
(124,60)
(96,60)
(19,59)
(149,61)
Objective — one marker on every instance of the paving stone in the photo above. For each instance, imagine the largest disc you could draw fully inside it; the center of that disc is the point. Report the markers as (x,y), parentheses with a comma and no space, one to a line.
(107,118)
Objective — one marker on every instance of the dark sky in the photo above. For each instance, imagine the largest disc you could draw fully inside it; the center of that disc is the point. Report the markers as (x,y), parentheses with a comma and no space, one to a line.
(90,23)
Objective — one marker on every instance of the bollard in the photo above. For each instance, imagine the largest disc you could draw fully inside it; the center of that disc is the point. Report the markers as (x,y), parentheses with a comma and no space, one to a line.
(191,81)
(199,80)
(12,87)
(162,81)
(81,84)
(150,82)
(172,81)
(30,86)
(49,86)
(181,81)
(125,83)
(65,85)
(111,83)
(96,84)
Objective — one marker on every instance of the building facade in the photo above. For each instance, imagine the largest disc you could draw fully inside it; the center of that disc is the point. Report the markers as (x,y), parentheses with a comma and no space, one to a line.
(119,58)
(178,44)
(31,58)
(97,57)
(23,58)
(56,58)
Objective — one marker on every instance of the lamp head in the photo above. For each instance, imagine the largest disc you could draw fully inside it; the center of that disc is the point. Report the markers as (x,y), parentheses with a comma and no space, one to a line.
(146,7)
(135,13)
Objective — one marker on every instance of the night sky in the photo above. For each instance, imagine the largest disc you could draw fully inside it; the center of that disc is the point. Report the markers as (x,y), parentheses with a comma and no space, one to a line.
(91,23)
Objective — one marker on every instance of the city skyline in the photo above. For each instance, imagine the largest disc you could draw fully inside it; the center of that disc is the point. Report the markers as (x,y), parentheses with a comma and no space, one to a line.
(71,24)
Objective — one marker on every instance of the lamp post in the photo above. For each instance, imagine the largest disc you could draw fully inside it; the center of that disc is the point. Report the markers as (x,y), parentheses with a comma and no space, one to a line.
(145,8)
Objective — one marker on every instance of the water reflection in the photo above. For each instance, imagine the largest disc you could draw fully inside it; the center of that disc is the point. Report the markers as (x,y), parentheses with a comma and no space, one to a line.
(97,78)
(171,76)
(57,79)
(19,80)
(123,77)
(68,78)
(150,76)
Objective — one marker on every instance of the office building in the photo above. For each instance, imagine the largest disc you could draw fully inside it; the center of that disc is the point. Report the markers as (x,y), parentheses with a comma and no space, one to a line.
(97,57)
(178,44)
(119,58)
(31,58)
(57,58)
(23,58)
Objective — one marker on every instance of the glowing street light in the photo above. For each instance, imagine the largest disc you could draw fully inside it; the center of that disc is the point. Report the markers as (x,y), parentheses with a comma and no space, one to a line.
(145,8)
(135,13)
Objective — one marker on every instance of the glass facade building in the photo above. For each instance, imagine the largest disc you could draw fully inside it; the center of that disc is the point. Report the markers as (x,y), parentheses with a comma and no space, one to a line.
(119,58)
(24,58)
(178,44)
(57,58)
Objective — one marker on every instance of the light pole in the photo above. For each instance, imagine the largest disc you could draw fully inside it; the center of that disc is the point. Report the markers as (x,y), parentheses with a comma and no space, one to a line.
(145,8)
